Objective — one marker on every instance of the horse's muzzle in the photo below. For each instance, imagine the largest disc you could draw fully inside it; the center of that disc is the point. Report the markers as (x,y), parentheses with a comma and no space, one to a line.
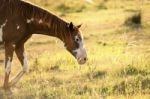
(81,56)
(82,61)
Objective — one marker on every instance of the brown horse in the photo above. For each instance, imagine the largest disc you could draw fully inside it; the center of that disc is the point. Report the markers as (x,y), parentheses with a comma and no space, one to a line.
(19,20)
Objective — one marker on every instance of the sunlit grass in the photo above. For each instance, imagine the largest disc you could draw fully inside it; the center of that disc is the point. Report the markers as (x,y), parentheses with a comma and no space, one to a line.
(118,64)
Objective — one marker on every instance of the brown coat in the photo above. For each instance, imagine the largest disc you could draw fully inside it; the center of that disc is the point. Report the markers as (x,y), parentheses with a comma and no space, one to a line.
(21,19)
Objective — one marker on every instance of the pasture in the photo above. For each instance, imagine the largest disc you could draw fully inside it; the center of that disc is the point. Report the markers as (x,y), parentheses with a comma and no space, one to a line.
(118,65)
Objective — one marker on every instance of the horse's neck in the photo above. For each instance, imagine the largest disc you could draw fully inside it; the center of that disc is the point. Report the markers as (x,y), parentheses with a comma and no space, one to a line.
(52,27)
(43,22)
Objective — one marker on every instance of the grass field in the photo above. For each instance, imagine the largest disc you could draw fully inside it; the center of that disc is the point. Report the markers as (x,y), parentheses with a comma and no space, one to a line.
(118,64)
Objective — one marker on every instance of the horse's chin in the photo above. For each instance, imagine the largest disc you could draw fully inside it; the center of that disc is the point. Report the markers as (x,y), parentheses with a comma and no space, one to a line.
(81,63)
(81,60)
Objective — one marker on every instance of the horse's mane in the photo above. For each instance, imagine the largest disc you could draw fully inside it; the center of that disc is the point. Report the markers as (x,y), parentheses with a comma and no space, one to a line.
(54,22)
(30,10)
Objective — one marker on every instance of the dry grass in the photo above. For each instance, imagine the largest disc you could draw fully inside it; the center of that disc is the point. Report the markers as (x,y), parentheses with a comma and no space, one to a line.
(118,65)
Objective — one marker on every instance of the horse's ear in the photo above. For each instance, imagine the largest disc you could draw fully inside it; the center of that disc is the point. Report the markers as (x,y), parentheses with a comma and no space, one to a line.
(70,26)
(79,26)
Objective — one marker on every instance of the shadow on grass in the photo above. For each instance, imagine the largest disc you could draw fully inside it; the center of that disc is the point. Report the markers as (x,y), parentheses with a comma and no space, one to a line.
(6,94)
(133,70)
(1,46)
(1,61)
(96,75)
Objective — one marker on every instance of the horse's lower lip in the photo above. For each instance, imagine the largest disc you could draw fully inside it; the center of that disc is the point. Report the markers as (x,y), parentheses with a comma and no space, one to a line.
(81,62)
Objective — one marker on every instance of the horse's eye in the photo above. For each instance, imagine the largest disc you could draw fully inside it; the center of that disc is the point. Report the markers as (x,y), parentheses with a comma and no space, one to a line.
(77,39)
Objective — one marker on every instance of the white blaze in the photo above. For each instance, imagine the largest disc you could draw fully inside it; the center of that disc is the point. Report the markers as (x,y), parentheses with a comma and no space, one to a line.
(1,30)
(81,52)
(8,65)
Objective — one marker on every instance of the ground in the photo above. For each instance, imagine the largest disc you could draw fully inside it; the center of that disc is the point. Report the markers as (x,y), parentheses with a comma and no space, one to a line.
(118,64)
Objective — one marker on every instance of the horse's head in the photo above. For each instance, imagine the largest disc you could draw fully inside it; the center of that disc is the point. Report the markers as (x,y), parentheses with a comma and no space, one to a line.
(74,43)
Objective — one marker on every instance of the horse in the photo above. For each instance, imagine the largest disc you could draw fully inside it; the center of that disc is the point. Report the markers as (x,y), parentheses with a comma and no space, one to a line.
(19,20)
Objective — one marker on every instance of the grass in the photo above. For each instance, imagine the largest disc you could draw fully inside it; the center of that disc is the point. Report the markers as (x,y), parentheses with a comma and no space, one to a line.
(118,65)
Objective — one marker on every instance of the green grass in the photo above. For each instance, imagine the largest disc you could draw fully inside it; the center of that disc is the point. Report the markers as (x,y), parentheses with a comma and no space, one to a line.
(118,64)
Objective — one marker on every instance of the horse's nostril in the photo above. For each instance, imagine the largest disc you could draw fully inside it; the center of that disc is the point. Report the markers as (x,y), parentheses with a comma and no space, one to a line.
(85,59)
